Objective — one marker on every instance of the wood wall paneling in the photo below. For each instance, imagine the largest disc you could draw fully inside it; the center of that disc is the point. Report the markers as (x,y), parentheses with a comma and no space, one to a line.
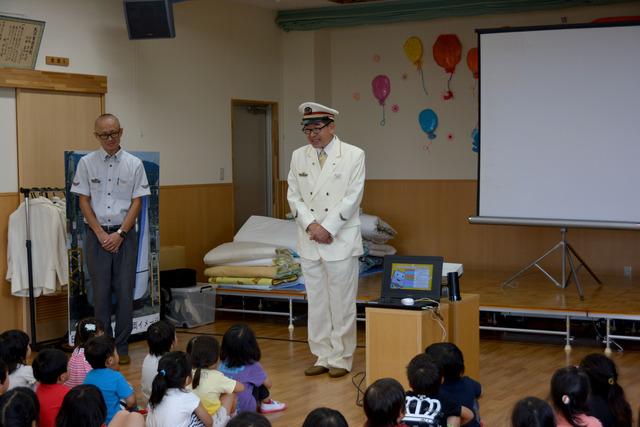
(431,218)
(199,217)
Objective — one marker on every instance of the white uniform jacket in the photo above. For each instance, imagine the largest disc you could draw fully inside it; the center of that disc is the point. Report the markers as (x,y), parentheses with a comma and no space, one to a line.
(330,196)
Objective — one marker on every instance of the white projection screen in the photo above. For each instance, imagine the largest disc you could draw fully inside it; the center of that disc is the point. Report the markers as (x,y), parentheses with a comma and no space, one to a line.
(560,126)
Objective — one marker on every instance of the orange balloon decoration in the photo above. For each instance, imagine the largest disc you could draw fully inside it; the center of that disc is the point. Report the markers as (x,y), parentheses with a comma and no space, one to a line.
(472,61)
(447,51)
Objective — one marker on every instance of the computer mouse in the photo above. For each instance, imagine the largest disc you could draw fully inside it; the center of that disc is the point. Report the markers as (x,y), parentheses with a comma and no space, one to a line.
(407,301)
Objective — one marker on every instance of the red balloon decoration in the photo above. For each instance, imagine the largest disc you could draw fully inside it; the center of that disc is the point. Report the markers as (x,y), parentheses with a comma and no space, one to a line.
(447,51)
(472,61)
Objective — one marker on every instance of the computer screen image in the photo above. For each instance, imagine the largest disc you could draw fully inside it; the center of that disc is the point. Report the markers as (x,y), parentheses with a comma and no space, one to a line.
(406,276)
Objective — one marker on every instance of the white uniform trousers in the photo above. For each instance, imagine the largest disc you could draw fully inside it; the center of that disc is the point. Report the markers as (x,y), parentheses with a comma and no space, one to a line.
(331,293)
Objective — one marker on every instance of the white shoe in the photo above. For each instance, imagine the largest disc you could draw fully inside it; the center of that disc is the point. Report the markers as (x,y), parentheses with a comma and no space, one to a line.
(267,407)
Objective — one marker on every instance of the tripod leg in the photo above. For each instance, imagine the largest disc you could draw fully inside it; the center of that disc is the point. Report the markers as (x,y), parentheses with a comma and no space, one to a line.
(575,276)
(573,251)
(532,264)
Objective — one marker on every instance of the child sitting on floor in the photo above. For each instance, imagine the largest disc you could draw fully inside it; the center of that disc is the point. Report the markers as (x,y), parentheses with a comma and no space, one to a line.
(606,401)
(425,406)
(384,403)
(77,367)
(15,351)
(569,393)
(240,360)
(456,387)
(171,404)
(19,407)
(50,369)
(210,385)
(161,338)
(101,354)
(532,412)
(84,406)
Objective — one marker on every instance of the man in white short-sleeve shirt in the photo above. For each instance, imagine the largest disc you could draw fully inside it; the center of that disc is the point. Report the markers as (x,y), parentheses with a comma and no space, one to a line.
(110,183)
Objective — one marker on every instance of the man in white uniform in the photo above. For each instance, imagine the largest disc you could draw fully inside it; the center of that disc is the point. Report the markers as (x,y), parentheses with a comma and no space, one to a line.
(326,182)
(110,183)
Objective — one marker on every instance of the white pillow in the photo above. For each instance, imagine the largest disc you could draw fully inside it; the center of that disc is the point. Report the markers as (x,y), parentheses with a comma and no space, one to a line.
(273,231)
(239,251)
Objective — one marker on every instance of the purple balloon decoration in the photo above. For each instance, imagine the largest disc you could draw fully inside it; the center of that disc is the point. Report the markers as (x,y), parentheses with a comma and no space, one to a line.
(381,86)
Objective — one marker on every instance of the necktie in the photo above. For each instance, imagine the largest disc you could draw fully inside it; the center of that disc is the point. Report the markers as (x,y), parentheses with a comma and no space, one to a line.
(322,156)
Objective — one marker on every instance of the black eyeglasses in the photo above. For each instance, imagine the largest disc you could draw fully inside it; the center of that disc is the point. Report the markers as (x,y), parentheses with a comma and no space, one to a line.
(314,131)
(110,135)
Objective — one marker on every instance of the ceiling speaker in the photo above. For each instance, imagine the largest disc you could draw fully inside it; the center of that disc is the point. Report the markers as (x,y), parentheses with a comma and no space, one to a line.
(149,19)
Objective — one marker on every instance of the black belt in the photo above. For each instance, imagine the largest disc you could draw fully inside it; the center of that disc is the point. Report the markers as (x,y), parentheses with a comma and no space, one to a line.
(111,228)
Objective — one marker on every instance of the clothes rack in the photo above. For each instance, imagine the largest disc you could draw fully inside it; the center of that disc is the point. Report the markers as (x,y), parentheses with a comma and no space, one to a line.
(28,193)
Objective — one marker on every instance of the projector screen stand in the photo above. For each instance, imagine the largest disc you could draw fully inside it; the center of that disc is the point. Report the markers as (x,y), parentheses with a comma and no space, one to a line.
(568,253)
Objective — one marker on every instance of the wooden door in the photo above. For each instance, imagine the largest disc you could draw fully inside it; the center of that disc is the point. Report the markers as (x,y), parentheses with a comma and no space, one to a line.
(49,123)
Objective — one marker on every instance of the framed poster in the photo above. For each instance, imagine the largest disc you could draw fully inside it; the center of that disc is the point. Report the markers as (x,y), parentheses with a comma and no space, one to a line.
(19,41)
(146,295)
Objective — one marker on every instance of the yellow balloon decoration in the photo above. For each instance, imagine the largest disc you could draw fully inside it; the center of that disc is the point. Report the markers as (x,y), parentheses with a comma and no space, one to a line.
(413,50)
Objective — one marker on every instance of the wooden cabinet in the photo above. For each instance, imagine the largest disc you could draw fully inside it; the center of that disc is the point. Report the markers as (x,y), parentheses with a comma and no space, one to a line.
(394,337)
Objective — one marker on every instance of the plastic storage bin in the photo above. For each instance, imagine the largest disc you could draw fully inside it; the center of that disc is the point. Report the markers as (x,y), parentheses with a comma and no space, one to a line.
(193,306)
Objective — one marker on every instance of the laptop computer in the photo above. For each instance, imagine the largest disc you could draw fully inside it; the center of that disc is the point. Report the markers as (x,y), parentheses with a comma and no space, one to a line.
(416,277)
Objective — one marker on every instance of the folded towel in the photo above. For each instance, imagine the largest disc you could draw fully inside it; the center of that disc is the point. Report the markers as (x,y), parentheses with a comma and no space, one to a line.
(242,251)
(272,272)
(378,249)
(251,280)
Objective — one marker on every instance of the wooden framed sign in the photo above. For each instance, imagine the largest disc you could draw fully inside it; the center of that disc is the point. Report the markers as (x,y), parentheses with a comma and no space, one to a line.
(19,41)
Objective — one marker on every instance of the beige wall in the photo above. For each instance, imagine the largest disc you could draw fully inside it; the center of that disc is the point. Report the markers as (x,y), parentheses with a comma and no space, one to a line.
(396,151)
(221,51)
(172,95)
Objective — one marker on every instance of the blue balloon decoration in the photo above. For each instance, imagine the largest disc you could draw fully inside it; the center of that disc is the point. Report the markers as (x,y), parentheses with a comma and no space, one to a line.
(428,122)
(475,138)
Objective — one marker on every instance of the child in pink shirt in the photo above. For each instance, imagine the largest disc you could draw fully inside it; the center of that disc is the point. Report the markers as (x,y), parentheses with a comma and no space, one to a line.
(569,392)
(78,366)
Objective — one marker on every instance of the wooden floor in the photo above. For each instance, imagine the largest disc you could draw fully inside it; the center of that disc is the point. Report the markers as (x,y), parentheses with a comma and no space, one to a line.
(509,370)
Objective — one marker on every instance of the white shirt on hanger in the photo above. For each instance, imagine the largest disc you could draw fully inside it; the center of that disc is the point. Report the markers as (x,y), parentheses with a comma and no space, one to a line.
(48,248)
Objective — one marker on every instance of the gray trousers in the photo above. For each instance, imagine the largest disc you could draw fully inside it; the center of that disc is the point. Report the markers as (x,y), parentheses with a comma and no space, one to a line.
(113,275)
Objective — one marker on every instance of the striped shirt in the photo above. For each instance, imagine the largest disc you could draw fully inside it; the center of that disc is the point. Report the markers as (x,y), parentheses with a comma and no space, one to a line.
(77,367)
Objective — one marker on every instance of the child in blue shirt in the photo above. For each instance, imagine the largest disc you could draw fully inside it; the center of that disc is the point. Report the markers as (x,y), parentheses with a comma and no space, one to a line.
(100,352)
(456,387)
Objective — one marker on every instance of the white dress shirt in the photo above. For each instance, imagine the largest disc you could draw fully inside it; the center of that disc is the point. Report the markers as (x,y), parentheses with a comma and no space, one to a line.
(111,181)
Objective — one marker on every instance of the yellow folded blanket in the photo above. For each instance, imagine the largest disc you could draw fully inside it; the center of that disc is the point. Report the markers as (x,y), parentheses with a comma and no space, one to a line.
(251,280)
(272,272)
(242,271)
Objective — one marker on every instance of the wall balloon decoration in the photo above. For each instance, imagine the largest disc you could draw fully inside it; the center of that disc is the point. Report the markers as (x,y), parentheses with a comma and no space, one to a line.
(472,61)
(447,51)
(413,50)
(428,120)
(475,140)
(381,87)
